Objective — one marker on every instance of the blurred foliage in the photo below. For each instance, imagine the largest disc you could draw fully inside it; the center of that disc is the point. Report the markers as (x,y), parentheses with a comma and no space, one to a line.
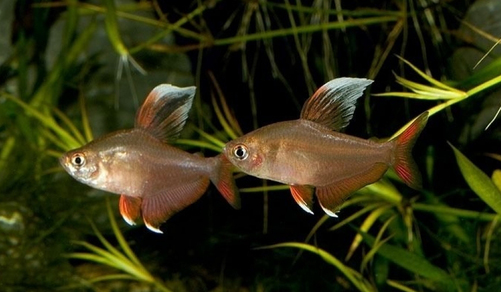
(73,70)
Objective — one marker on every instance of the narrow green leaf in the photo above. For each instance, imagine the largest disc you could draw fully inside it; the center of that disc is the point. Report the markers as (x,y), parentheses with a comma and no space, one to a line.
(55,139)
(480,216)
(110,249)
(201,144)
(304,29)
(226,110)
(378,242)
(221,118)
(71,126)
(123,243)
(211,138)
(496,178)
(399,286)
(478,181)
(366,225)
(90,257)
(383,189)
(429,92)
(85,119)
(353,276)
(430,79)
(404,95)
(48,121)
(112,30)
(112,277)
(412,262)
(7,147)
(103,256)
(372,252)
(358,214)
(53,85)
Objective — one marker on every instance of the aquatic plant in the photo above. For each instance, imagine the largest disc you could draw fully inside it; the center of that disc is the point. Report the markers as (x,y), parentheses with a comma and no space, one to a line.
(72,70)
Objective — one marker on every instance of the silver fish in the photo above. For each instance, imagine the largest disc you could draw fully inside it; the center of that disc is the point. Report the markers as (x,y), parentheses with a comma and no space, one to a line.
(155,180)
(311,156)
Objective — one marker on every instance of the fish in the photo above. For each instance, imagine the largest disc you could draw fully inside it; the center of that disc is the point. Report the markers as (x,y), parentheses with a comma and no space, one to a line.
(154,179)
(313,157)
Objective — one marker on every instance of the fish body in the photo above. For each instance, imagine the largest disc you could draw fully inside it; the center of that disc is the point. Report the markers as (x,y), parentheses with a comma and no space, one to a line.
(311,156)
(133,162)
(155,179)
(302,152)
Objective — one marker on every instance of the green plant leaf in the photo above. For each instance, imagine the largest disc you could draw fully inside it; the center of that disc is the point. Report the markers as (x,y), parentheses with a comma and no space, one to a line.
(496,178)
(366,225)
(413,263)
(478,181)
(353,276)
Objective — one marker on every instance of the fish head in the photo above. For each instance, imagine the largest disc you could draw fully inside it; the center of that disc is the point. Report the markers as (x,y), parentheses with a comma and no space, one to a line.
(81,164)
(245,154)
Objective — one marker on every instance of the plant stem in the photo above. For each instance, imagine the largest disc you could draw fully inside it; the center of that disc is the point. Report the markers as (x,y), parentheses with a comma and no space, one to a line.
(454,211)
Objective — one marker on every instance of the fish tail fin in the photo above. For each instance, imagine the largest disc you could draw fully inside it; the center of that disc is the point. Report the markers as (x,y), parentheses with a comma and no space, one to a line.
(222,178)
(404,164)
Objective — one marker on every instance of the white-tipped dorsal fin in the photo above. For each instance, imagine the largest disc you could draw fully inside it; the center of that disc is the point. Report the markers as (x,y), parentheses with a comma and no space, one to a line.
(333,104)
(165,110)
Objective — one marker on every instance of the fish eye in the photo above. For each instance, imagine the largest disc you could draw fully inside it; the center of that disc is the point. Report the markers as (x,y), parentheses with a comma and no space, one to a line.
(240,152)
(78,159)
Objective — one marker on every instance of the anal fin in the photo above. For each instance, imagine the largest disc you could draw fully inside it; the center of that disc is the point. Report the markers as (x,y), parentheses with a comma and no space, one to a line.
(303,195)
(332,196)
(130,208)
(157,208)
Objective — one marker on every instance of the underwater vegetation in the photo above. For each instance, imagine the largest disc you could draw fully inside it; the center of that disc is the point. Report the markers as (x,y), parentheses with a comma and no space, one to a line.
(72,71)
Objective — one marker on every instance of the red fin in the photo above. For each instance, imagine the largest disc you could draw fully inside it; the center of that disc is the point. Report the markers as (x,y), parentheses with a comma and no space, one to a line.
(332,196)
(404,164)
(130,208)
(157,209)
(333,104)
(165,110)
(303,195)
(222,178)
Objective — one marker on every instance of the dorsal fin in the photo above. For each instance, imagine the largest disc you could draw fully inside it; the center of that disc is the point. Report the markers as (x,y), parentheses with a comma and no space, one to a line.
(165,110)
(333,104)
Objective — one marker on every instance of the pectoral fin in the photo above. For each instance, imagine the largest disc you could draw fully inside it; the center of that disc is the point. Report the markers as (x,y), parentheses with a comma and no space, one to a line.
(303,195)
(130,208)
(333,104)
(332,196)
(160,207)
(165,110)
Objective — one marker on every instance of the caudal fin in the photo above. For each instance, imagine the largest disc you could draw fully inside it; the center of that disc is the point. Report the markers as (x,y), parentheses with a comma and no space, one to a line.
(222,178)
(404,164)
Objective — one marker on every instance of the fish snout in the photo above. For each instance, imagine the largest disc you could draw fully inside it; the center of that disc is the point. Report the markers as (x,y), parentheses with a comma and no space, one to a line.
(65,163)
(62,160)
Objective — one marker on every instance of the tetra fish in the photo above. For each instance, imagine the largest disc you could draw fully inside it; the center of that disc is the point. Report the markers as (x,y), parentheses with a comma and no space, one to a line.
(155,180)
(311,156)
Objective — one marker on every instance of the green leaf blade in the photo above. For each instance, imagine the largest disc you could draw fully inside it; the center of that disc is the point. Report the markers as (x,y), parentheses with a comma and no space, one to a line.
(413,263)
(478,181)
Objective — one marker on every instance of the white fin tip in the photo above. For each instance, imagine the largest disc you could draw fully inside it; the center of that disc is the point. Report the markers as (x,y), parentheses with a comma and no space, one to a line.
(154,229)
